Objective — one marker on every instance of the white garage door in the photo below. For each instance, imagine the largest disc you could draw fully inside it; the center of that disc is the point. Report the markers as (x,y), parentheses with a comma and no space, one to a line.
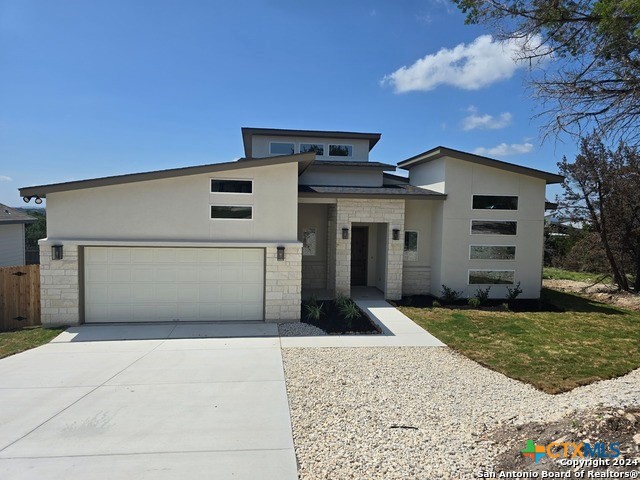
(138,284)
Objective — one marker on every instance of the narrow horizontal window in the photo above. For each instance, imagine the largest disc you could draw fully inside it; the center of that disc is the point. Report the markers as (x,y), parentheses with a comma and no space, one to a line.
(494,227)
(280,148)
(318,148)
(231,186)
(492,252)
(340,150)
(236,212)
(491,277)
(495,202)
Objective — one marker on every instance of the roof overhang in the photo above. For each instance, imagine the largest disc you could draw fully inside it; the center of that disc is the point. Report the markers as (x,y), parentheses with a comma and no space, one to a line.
(439,152)
(248,132)
(388,192)
(303,160)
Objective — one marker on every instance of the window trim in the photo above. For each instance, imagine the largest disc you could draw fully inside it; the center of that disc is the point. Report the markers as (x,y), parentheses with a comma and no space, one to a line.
(339,145)
(417,250)
(232,180)
(324,147)
(515,256)
(490,270)
(492,234)
(295,148)
(493,209)
(227,205)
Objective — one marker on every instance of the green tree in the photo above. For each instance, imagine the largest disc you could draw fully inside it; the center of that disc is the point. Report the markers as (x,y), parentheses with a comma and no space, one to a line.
(593,80)
(37,230)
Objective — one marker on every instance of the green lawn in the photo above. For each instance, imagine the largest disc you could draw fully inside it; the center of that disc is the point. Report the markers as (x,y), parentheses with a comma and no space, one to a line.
(560,274)
(553,351)
(18,341)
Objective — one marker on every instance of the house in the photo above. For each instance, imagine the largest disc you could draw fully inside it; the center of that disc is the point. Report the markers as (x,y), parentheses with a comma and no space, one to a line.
(12,229)
(302,212)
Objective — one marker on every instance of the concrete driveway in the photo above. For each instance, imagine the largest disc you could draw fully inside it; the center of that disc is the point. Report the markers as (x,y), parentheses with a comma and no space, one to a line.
(148,402)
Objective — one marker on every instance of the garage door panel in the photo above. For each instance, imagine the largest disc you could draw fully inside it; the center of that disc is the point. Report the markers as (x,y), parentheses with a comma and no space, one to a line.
(141,284)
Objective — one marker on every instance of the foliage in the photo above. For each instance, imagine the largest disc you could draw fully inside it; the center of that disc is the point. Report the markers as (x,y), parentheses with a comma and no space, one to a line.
(449,295)
(342,300)
(313,300)
(602,189)
(349,310)
(594,77)
(555,351)
(474,302)
(513,293)
(436,304)
(314,311)
(482,294)
(37,230)
(17,341)
(560,274)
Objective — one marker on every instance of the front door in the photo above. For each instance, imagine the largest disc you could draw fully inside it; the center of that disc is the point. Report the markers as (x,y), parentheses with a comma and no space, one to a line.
(359,254)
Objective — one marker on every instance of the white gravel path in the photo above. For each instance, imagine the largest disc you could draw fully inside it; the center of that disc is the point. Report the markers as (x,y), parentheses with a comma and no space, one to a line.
(299,329)
(344,402)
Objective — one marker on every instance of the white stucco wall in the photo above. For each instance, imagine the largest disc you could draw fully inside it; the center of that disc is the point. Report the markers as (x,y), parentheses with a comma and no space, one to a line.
(416,274)
(178,209)
(314,267)
(341,176)
(451,236)
(260,146)
(11,245)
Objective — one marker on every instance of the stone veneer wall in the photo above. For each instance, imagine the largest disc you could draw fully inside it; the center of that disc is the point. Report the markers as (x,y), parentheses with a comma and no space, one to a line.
(349,211)
(331,247)
(416,280)
(59,287)
(283,285)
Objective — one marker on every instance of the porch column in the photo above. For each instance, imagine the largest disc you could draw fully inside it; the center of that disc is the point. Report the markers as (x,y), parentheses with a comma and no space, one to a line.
(343,249)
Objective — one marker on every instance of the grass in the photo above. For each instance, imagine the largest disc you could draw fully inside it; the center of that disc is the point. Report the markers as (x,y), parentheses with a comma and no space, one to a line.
(17,341)
(554,351)
(560,274)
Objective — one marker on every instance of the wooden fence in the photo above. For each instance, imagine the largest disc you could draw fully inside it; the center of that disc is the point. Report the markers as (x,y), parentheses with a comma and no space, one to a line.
(19,297)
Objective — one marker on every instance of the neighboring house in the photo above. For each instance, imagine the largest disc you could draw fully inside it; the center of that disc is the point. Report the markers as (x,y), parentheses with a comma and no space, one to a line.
(12,244)
(303,212)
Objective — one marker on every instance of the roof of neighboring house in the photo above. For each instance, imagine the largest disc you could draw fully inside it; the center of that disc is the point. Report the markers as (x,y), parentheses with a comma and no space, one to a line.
(10,215)
(439,152)
(303,159)
(387,191)
(248,132)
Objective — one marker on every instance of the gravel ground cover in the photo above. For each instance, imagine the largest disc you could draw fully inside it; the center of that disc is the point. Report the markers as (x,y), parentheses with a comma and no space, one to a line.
(415,412)
(299,329)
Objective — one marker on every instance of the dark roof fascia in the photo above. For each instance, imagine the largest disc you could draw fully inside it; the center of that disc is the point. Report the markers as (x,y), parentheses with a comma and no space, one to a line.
(407,196)
(248,132)
(439,152)
(353,164)
(42,190)
(13,222)
(396,177)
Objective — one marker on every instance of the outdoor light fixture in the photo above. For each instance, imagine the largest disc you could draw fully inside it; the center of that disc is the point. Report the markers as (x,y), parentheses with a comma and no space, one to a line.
(26,199)
(56,252)
(396,234)
(38,200)
(345,233)
(280,253)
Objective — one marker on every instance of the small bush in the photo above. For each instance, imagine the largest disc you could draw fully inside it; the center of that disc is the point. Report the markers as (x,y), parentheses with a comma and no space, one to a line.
(505,307)
(474,302)
(349,310)
(436,304)
(513,293)
(314,312)
(450,295)
(342,300)
(313,300)
(482,294)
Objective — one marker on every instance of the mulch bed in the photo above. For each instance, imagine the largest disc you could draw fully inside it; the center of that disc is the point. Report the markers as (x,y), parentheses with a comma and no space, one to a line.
(522,305)
(334,323)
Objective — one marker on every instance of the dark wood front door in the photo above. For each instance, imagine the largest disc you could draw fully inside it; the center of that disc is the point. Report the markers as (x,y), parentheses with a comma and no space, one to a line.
(359,254)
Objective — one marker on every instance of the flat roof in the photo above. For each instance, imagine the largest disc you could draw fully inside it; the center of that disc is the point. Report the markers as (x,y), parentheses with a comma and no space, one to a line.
(439,152)
(386,191)
(248,132)
(303,159)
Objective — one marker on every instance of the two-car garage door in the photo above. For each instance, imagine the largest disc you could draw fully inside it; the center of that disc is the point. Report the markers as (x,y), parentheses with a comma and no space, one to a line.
(139,284)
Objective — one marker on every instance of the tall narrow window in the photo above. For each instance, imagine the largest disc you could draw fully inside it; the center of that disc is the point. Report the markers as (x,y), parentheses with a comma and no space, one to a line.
(410,245)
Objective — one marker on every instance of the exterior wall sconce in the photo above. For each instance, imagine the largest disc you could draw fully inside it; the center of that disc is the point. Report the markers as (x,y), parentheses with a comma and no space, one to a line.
(345,233)
(56,252)
(280,255)
(396,234)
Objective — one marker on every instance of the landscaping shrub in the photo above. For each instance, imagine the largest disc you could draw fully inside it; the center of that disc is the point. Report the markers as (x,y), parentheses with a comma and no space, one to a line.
(482,294)
(449,295)
(513,293)
(474,302)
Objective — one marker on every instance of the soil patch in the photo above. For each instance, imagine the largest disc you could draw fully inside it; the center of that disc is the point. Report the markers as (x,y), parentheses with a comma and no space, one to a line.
(522,305)
(602,292)
(334,323)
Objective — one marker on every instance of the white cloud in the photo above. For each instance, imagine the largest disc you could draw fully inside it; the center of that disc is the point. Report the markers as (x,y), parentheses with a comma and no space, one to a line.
(4,178)
(486,122)
(505,149)
(470,67)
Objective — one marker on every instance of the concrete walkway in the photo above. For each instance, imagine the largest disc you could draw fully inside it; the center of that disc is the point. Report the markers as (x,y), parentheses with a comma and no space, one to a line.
(148,402)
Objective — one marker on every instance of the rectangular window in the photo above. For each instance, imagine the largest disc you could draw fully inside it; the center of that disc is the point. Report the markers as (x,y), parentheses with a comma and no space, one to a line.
(281,148)
(318,148)
(231,186)
(410,245)
(233,212)
(340,151)
(494,227)
(309,242)
(491,277)
(495,202)
(492,252)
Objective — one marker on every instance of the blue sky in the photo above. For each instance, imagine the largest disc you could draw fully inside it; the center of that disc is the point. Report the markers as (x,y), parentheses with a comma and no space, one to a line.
(100,88)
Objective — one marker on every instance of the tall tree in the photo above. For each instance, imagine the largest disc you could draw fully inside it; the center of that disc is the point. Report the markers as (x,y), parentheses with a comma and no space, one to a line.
(593,80)
(602,190)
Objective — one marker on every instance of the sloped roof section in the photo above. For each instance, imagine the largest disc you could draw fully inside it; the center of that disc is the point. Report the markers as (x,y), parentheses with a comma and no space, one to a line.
(439,152)
(10,215)
(386,191)
(303,160)
(248,132)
